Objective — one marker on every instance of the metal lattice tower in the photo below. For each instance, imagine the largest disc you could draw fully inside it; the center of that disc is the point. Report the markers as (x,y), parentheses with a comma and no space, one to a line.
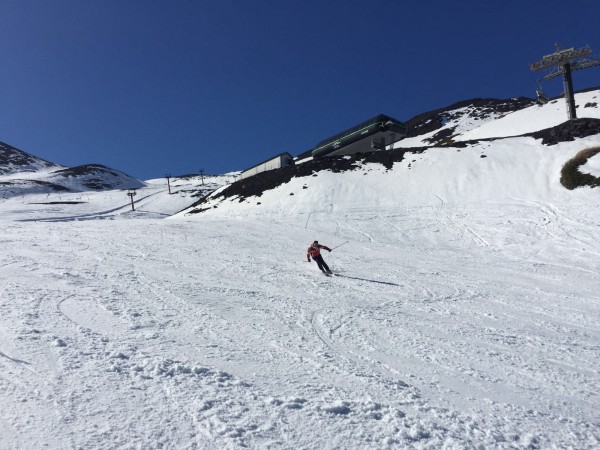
(562,62)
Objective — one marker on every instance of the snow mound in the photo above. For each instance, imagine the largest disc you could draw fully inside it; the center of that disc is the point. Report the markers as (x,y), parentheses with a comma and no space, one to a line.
(95,177)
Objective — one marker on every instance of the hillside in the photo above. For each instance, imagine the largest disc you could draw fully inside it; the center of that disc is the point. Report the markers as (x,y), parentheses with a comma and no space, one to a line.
(523,141)
(47,191)
(463,312)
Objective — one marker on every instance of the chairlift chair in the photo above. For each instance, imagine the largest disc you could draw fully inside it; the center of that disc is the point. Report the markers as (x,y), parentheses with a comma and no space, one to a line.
(541,97)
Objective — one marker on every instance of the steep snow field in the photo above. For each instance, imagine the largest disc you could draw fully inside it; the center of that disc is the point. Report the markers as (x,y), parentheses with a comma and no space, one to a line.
(468,124)
(464,311)
(536,118)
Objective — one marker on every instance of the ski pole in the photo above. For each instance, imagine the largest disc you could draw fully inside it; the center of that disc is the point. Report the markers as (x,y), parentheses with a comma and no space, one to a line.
(307,219)
(340,245)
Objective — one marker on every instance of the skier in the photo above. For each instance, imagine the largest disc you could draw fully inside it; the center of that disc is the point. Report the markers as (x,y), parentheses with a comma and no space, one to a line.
(315,251)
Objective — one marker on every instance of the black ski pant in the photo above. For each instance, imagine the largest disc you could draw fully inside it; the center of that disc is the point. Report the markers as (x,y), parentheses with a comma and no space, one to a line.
(322,265)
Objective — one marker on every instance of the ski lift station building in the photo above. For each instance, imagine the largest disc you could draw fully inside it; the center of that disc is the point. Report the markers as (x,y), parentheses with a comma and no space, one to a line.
(276,162)
(371,135)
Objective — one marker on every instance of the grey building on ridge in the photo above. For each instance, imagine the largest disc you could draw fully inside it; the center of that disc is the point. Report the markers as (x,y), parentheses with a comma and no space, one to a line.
(276,162)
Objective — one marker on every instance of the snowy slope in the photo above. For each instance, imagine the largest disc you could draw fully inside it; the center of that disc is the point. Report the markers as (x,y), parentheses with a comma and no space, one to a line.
(592,166)
(23,174)
(152,198)
(464,311)
(40,190)
(483,119)
(536,117)
(92,177)
(440,125)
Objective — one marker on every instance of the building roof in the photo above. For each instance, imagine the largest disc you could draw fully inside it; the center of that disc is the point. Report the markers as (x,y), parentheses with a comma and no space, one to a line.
(358,128)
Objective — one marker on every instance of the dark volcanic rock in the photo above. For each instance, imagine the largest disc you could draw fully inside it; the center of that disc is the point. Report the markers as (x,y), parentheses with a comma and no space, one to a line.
(440,135)
(568,131)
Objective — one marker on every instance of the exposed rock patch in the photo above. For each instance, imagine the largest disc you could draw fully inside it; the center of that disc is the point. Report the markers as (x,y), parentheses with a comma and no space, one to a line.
(568,131)
(571,177)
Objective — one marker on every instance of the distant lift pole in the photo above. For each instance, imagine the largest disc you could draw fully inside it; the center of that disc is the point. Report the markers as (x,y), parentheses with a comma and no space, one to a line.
(562,62)
(168,177)
(131,193)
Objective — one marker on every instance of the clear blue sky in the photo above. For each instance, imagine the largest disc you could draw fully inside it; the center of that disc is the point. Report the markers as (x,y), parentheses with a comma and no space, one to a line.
(152,87)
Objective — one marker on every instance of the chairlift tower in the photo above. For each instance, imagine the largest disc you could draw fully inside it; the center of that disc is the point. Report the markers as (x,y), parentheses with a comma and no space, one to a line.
(562,62)
(131,193)
(168,176)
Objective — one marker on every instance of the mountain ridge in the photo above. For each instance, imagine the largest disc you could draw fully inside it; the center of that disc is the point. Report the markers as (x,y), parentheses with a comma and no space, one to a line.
(13,160)
(24,173)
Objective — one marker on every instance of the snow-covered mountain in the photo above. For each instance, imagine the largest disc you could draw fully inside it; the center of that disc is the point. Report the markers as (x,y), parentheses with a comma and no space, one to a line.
(13,160)
(22,173)
(462,314)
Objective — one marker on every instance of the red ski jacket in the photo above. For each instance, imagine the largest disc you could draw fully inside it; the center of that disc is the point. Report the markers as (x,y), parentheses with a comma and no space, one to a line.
(315,250)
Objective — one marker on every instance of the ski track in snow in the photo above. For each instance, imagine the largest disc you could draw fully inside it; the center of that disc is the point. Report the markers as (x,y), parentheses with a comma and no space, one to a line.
(150,333)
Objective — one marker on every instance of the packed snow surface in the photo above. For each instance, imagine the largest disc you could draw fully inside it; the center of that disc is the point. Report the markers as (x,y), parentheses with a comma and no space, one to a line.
(463,312)
(446,326)
(592,166)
